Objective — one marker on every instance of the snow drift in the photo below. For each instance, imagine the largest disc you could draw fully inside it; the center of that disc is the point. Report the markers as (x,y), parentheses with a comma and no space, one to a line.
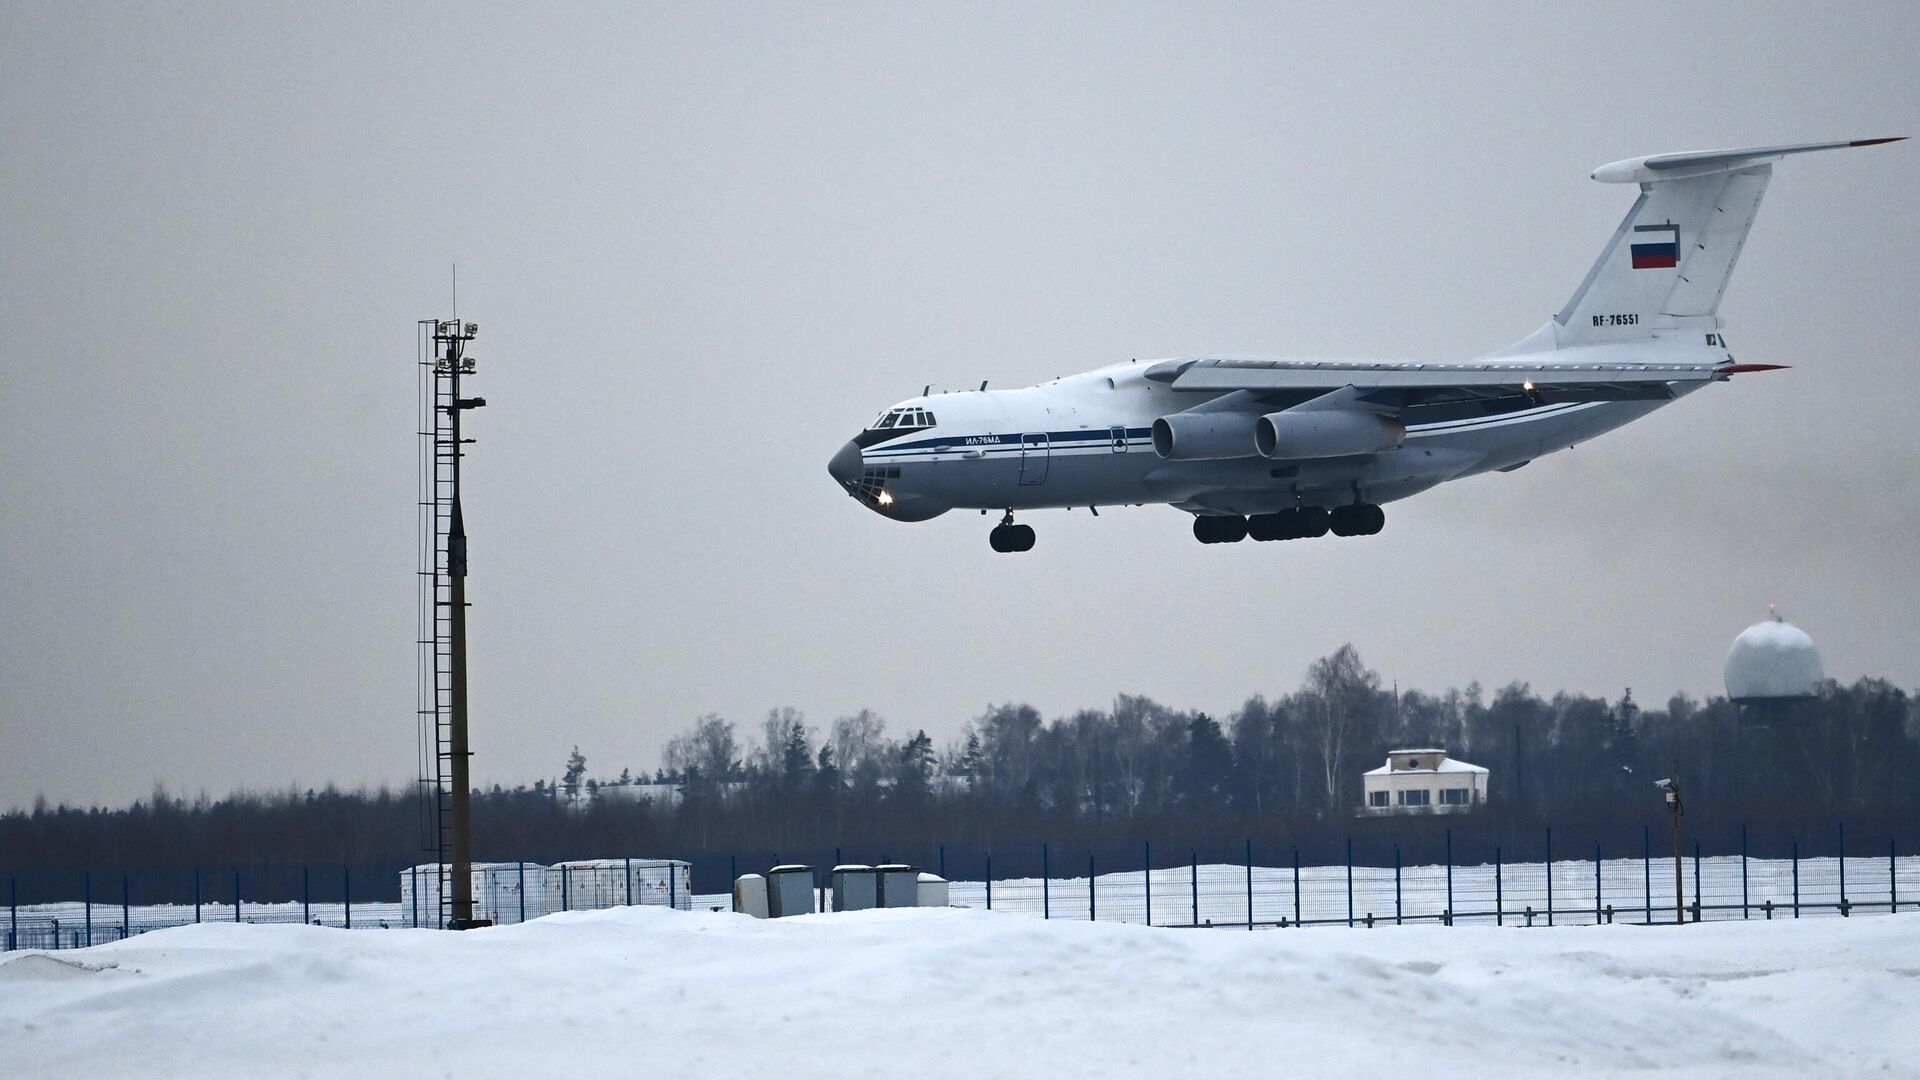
(953,993)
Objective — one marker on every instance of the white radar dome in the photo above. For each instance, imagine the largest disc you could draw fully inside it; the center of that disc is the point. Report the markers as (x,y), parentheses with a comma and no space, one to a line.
(1773,659)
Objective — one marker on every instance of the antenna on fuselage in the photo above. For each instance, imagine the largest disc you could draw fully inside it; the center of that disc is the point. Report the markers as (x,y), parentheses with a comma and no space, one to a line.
(983,384)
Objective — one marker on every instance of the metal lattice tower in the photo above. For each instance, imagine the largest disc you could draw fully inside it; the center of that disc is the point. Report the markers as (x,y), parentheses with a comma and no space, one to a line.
(443,751)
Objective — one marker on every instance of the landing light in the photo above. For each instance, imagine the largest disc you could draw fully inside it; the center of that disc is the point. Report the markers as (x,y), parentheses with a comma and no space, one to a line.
(1528,386)
(885,498)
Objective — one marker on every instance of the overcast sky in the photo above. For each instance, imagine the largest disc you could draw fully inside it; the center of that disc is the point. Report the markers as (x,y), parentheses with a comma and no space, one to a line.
(704,244)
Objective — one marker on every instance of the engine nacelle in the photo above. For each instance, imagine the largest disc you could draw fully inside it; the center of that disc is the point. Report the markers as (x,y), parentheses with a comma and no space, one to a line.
(1323,433)
(1204,436)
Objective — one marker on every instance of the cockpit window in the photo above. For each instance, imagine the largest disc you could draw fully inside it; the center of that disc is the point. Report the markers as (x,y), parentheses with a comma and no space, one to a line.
(902,419)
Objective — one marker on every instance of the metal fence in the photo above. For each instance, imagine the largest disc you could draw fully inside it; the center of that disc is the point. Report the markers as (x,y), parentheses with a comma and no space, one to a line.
(1547,882)
(94,908)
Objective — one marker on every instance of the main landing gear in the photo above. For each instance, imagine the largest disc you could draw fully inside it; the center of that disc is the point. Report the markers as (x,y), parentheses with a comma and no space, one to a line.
(1360,519)
(1007,536)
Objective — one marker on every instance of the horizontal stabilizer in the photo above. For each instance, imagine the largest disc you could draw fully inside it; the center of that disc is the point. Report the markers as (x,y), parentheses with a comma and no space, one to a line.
(1655,168)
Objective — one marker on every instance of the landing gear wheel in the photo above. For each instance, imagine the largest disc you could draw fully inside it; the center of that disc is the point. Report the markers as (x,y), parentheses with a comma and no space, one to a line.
(1219,529)
(1265,527)
(1313,521)
(1346,521)
(1360,519)
(1009,538)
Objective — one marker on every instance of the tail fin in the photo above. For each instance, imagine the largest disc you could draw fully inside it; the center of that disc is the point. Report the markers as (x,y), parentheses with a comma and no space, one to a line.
(1667,265)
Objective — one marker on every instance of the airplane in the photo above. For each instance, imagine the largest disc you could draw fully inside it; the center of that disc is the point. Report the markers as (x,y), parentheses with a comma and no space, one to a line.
(1286,449)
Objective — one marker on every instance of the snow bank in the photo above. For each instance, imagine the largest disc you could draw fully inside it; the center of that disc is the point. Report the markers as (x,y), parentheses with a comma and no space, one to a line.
(950,993)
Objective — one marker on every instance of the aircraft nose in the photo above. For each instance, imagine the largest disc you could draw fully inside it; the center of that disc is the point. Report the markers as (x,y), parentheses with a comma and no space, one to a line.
(845,465)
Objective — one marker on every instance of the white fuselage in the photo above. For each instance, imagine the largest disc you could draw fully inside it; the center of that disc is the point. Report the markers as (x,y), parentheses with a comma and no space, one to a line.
(1085,440)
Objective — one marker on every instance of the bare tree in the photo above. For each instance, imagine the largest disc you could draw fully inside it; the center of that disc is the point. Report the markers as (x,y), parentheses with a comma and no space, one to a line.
(1341,714)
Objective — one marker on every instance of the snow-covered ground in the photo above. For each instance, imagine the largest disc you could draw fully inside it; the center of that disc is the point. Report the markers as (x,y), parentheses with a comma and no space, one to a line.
(966,993)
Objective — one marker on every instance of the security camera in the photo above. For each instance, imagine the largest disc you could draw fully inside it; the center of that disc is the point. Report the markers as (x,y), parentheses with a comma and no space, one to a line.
(1664,785)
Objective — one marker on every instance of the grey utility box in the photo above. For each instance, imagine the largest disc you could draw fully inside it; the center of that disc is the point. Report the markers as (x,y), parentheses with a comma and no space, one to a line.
(855,887)
(789,891)
(933,890)
(899,885)
(750,895)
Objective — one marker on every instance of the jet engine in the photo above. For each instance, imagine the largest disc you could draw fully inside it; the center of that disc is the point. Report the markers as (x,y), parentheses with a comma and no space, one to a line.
(1322,433)
(1204,436)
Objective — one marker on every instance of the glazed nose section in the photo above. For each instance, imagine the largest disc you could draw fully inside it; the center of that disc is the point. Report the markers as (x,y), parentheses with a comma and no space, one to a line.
(845,465)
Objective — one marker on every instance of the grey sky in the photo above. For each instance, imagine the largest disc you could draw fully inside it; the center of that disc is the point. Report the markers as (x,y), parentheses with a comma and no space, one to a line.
(704,244)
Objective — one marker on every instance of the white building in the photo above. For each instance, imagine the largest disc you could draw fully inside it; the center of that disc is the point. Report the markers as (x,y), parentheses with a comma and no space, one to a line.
(1424,782)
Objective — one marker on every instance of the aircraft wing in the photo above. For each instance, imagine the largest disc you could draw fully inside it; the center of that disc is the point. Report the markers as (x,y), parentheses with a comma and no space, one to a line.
(1407,383)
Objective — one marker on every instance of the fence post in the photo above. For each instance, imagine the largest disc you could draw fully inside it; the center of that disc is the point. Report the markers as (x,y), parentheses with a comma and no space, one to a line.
(1549,875)
(1796,877)
(1194,877)
(1296,886)
(126,908)
(236,894)
(566,902)
(1349,882)
(1449,877)
(989,878)
(306,894)
(1250,879)
(1598,887)
(413,873)
(1499,916)
(673,886)
(1743,870)
(627,870)
(943,860)
(1396,885)
(1146,874)
(13,910)
(196,894)
(1893,881)
(1093,903)
(1646,863)
(1843,868)
(87,888)
(1046,891)
(346,895)
(1699,901)
(521,869)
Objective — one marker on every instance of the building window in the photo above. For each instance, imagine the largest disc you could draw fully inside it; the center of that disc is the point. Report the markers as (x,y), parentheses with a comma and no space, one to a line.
(1376,798)
(1414,797)
(1453,796)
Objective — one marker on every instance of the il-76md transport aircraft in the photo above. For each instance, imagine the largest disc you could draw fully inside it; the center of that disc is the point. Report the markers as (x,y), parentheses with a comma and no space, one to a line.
(1280,449)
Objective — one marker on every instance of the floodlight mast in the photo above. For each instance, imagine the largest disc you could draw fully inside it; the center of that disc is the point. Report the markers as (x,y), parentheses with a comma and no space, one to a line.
(450,341)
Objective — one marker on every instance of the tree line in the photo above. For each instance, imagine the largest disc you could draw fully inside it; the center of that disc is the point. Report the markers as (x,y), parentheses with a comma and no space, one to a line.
(1282,768)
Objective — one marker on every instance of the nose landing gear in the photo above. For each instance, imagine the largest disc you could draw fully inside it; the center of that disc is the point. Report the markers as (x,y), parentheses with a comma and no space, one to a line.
(1008,537)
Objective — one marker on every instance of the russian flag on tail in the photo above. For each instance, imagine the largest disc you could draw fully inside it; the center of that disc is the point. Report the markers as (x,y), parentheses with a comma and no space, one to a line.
(1656,247)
